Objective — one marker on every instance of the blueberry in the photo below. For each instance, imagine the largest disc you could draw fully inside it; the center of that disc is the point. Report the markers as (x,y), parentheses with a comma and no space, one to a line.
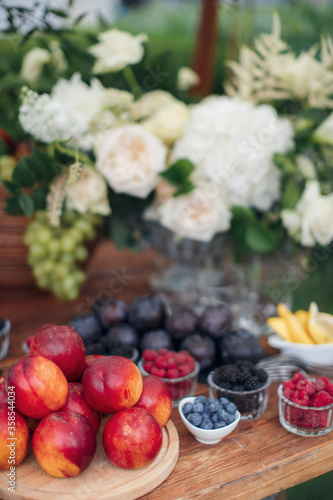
(147,313)
(88,327)
(198,408)
(201,399)
(125,334)
(212,405)
(205,415)
(216,320)
(214,417)
(187,408)
(110,311)
(231,408)
(194,419)
(224,401)
(223,415)
(207,424)
(219,423)
(182,322)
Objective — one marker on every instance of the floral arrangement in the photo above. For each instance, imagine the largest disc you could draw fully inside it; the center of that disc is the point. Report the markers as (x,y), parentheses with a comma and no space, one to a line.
(255,163)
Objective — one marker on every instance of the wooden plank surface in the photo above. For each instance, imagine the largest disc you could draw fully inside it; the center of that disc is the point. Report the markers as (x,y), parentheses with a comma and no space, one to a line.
(258,459)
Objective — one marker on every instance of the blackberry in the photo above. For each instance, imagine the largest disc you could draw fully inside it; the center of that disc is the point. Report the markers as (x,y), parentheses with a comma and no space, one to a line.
(225,374)
(252,383)
(238,388)
(116,348)
(244,363)
(243,375)
(97,348)
(262,375)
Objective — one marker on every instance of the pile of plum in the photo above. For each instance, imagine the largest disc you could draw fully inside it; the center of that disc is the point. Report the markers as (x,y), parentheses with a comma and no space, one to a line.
(112,327)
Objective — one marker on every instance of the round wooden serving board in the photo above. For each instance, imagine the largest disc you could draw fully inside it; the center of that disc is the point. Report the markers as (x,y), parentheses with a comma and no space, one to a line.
(101,480)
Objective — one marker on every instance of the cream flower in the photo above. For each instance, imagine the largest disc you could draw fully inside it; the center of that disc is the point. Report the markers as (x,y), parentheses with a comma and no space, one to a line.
(150,103)
(116,50)
(232,143)
(311,222)
(89,193)
(324,133)
(198,215)
(169,122)
(33,63)
(130,158)
(186,78)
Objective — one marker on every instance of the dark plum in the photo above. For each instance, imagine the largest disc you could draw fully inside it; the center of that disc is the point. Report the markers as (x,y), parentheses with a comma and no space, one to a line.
(181,322)
(155,340)
(216,320)
(240,345)
(147,313)
(201,347)
(125,334)
(110,311)
(88,327)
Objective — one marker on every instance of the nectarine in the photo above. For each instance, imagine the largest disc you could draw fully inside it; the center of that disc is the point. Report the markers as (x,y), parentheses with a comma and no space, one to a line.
(14,437)
(156,398)
(77,402)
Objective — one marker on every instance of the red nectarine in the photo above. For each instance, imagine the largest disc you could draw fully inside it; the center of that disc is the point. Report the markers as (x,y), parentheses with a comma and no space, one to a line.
(156,398)
(14,437)
(77,402)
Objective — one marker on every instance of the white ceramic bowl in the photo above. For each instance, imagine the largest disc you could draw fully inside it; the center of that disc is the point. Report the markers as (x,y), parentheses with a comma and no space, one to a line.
(206,436)
(316,354)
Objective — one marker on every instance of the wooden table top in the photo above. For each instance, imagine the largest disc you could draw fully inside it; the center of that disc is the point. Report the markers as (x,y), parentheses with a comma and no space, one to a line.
(258,459)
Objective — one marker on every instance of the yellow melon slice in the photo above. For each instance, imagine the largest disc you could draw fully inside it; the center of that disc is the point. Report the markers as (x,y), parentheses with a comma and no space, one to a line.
(280,327)
(295,329)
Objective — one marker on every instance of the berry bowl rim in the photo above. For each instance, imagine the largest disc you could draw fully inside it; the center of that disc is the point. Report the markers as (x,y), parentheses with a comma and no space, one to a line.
(296,405)
(213,385)
(207,436)
(172,380)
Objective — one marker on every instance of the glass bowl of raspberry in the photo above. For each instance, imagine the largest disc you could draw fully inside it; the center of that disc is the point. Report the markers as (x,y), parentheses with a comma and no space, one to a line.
(244,384)
(306,405)
(179,370)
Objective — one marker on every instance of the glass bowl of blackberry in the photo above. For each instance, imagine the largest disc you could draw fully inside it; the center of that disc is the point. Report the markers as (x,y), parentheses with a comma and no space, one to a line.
(112,347)
(209,420)
(306,405)
(244,384)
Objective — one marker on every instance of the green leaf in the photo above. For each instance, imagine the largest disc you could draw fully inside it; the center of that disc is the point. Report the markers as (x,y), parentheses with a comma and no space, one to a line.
(26,203)
(23,175)
(186,188)
(291,195)
(285,164)
(10,186)
(259,239)
(58,12)
(243,213)
(39,198)
(12,207)
(119,231)
(178,173)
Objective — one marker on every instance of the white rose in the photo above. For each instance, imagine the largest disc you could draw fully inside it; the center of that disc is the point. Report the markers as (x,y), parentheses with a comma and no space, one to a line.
(306,166)
(324,133)
(89,193)
(312,219)
(198,215)
(116,50)
(150,103)
(33,63)
(169,122)
(233,142)
(186,78)
(130,158)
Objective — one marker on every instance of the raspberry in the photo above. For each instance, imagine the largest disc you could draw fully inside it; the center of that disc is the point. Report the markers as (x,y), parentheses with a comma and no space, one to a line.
(180,358)
(288,388)
(160,362)
(329,388)
(297,377)
(170,354)
(148,365)
(149,355)
(321,398)
(184,370)
(170,363)
(321,383)
(311,419)
(162,352)
(300,397)
(158,372)
(307,386)
(173,373)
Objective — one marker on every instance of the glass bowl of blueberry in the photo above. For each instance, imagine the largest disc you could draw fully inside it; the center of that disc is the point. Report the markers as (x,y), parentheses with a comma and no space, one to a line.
(244,384)
(209,420)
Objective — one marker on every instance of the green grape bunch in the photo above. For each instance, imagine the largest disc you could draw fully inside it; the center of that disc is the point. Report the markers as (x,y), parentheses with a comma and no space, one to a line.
(55,253)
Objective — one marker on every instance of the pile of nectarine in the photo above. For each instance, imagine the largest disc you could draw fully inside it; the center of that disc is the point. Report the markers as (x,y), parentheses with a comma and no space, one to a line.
(60,394)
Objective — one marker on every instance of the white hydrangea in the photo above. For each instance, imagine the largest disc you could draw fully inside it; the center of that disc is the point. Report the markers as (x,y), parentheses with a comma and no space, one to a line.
(232,143)
(311,222)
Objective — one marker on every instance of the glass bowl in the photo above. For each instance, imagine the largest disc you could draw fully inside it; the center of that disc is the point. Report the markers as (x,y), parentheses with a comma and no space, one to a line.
(250,404)
(206,436)
(180,387)
(304,420)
